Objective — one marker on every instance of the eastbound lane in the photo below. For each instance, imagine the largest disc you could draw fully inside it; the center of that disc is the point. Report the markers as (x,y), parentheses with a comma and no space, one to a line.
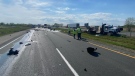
(57,54)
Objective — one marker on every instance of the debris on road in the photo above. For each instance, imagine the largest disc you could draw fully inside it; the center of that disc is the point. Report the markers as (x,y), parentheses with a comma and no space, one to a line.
(85,70)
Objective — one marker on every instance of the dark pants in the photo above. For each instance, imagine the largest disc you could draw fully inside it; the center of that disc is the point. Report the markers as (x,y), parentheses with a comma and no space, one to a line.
(68,32)
(79,35)
(74,36)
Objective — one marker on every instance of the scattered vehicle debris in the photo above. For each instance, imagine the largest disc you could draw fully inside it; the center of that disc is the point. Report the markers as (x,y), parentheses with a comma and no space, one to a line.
(13,52)
(20,42)
(104,29)
(91,49)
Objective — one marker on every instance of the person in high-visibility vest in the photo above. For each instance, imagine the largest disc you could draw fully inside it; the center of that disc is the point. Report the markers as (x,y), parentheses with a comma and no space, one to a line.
(69,30)
(74,33)
(79,32)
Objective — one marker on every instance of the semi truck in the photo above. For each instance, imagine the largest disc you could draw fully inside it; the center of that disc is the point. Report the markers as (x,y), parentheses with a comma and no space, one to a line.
(104,29)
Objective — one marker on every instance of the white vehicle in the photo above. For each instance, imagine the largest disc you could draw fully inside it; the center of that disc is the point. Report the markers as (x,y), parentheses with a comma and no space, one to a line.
(104,29)
(110,29)
(75,25)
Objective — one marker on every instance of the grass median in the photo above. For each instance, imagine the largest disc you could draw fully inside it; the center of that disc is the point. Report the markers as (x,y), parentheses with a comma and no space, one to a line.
(123,41)
(9,30)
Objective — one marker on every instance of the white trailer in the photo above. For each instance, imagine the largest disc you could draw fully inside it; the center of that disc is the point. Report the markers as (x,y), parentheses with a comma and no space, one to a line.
(75,25)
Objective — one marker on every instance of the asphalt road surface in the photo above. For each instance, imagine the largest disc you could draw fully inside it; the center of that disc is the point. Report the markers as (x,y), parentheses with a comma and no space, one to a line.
(7,39)
(52,53)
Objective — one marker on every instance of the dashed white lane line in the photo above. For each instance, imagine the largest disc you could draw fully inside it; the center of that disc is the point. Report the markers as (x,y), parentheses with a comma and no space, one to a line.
(71,68)
(10,42)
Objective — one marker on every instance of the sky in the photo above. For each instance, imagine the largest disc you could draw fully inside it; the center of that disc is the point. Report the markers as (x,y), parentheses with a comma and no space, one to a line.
(94,12)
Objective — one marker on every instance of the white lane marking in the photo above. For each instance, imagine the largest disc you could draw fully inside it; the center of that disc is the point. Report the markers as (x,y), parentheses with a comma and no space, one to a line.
(14,60)
(71,68)
(10,42)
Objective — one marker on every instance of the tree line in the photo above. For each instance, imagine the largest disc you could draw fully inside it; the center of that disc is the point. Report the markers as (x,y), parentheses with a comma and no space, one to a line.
(13,24)
(130,24)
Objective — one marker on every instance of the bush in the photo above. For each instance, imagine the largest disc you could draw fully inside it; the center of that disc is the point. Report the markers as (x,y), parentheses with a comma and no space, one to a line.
(124,36)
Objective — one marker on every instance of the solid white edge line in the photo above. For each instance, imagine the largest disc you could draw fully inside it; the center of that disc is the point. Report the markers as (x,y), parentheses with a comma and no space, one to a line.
(11,65)
(71,68)
(10,42)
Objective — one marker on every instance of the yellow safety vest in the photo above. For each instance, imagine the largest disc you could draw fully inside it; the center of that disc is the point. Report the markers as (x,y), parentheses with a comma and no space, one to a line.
(68,29)
(74,31)
(78,30)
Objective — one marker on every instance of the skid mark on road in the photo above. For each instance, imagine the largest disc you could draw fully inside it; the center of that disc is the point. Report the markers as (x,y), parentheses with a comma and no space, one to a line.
(128,55)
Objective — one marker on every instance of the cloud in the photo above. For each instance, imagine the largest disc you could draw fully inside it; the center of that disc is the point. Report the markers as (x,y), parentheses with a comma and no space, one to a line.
(67,8)
(60,12)
(92,19)
(36,3)
(96,15)
(42,4)
(29,11)
(18,1)
(64,9)
(19,14)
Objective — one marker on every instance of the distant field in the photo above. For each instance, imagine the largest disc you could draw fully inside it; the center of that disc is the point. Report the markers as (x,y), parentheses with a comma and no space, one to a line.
(125,29)
(4,30)
(125,32)
(128,33)
(128,42)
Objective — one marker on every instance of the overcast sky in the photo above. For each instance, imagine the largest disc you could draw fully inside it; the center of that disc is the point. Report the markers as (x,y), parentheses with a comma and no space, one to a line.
(94,12)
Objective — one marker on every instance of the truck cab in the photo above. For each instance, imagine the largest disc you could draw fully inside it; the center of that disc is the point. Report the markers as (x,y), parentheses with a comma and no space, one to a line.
(111,30)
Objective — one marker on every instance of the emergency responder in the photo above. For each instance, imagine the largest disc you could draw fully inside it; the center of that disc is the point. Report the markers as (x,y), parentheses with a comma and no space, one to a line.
(79,32)
(69,30)
(74,33)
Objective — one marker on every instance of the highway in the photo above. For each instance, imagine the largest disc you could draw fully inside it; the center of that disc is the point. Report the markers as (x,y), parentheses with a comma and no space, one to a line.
(53,53)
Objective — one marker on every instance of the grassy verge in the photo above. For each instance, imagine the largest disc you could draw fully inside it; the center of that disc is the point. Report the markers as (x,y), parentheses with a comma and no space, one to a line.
(127,42)
(9,30)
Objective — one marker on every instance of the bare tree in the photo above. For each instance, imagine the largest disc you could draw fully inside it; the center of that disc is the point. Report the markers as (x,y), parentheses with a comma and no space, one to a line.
(129,23)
